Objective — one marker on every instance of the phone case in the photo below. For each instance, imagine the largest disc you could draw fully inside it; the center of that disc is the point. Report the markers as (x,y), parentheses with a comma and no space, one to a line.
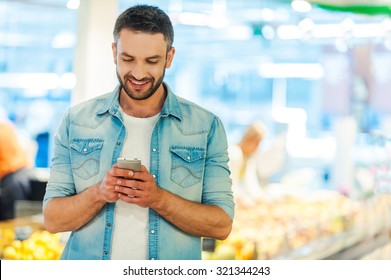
(131,164)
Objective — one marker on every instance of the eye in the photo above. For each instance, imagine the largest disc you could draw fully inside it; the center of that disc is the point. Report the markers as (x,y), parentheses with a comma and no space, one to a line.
(152,61)
(126,59)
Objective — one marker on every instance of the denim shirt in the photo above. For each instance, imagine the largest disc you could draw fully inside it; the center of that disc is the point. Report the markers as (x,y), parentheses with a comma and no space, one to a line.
(188,158)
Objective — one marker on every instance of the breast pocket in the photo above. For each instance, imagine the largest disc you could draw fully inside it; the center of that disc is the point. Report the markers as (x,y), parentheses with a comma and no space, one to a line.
(187,165)
(85,156)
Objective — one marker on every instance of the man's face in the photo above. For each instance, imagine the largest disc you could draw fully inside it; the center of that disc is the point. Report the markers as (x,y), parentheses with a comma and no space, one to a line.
(141,60)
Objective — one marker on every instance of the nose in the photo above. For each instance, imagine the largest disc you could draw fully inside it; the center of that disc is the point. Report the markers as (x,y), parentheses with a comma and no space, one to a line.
(138,71)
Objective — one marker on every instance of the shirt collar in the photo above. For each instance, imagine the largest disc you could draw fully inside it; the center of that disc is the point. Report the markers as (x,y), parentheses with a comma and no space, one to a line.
(170,106)
(111,103)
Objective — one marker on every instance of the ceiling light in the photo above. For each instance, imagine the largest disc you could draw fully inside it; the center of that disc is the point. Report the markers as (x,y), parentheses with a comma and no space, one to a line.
(239,32)
(347,25)
(386,25)
(73,4)
(367,30)
(306,24)
(341,45)
(289,32)
(67,80)
(267,14)
(195,19)
(291,70)
(217,21)
(268,32)
(301,6)
(63,40)
(387,44)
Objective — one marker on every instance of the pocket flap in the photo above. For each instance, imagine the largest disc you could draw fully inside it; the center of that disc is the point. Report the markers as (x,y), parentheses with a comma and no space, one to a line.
(188,154)
(86,146)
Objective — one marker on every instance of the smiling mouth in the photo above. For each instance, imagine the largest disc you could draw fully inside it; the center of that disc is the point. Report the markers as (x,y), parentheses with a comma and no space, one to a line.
(138,84)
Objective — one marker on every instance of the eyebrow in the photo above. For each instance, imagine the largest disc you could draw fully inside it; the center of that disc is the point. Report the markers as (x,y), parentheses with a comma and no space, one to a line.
(150,57)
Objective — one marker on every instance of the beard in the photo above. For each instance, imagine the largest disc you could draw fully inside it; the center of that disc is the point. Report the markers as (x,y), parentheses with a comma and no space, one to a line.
(138,94)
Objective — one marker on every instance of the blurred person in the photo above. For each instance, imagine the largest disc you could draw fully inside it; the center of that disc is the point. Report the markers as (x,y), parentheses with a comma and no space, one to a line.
(15,171)
(250,166)
(243,153)
(183,191)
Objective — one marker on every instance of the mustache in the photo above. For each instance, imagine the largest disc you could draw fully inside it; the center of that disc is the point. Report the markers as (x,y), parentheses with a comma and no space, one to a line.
(131,77)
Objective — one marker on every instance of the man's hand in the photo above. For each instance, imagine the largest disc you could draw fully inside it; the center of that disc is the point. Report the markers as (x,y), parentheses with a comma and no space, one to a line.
(72,212)
(140,188)
(137,187)
(107,188)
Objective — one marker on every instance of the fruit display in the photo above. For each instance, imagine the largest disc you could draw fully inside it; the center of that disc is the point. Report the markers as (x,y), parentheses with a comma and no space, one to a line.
(234,248)
(39,245)
(287,226)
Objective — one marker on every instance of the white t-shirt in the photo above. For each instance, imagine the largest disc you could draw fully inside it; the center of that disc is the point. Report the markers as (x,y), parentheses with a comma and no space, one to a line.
(130,238)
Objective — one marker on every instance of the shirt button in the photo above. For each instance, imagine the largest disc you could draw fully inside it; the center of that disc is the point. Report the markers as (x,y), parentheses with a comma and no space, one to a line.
(152,259)
(152,231)
(108,225)
(118,143)
(154,176)
(188,157)
(85,150)
(105,252)
(154,150)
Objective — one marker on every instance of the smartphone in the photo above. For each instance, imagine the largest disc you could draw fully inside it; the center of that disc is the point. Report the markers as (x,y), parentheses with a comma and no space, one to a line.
(132,164)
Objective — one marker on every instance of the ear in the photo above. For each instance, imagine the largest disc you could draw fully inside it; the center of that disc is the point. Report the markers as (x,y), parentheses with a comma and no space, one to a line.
(170,57)
(114,49)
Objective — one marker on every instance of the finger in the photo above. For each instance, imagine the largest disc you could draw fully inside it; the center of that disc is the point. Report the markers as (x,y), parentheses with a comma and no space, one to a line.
(108,181)
(116,172)
(140,175)
(129,199)
(144,176)
(124,173)
(131,192)
(128,183)
(144,168)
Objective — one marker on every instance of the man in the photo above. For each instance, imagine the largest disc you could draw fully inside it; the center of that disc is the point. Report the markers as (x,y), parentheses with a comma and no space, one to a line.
(183,191)
(251,167)
(15,171)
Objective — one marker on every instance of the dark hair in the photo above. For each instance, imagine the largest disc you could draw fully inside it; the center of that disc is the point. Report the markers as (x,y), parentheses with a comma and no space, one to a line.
(145,18)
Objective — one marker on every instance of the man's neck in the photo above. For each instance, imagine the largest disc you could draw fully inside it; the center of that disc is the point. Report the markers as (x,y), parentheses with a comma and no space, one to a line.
(143,108)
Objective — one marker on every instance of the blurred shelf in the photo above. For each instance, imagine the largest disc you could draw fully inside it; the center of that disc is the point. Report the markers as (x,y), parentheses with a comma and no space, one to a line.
(362,247)
(352,244)
(34,221)
(380,253)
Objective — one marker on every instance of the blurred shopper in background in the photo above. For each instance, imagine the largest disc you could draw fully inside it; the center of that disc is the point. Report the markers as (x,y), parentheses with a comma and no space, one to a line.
(250,166)
(183,191)
(243,154)
(15,171)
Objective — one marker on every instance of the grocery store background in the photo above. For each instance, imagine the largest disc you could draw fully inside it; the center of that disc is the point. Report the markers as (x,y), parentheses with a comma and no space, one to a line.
(317,73)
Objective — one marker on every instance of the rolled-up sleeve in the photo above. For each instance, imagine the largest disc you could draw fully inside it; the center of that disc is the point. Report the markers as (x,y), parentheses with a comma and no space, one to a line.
(217,182)
(61,181)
